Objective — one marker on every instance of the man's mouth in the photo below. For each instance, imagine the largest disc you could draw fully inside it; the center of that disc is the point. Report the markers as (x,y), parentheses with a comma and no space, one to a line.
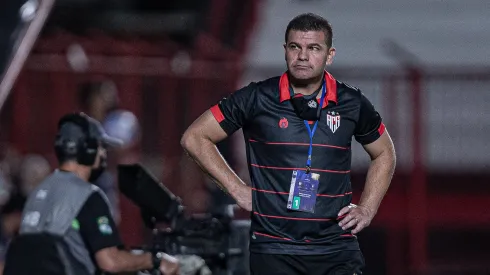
(302,67)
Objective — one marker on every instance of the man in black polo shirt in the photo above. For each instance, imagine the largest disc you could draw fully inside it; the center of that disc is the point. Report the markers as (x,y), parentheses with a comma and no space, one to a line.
(298,129)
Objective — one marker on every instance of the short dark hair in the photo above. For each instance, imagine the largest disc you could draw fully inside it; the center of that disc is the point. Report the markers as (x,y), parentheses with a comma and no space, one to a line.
(311,22)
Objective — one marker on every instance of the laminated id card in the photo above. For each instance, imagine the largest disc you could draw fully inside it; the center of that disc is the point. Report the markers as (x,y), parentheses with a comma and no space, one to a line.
(303,191)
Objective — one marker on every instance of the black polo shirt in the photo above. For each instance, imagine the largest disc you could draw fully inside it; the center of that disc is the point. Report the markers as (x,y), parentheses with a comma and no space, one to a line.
(277,143)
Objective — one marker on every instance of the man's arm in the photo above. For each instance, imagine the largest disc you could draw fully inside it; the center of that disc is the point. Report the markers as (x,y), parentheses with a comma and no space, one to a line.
(199,141)
(100,234)
(114,260)
(380,173)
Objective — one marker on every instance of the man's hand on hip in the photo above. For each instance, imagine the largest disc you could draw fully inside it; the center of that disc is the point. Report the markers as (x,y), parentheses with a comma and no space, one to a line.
(356,216)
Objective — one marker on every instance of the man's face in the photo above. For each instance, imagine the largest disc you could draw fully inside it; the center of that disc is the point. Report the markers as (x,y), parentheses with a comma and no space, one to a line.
(307,54)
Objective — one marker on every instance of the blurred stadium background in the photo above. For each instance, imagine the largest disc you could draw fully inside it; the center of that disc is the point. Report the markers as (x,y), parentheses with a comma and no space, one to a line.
(147,69)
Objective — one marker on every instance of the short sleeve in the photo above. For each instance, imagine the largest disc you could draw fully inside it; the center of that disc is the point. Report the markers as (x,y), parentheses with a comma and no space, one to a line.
(96,224)
(369,125)
(234,111)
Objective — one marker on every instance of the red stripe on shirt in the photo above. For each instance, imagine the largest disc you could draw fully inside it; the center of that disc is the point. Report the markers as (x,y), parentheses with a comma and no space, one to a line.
(295,168)
(334,196)
(269,191)
(300,144)
(286,193)
(270,236)
(292,218)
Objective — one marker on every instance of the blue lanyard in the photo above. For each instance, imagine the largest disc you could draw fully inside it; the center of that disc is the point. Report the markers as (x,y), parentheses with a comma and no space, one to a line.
(312,132)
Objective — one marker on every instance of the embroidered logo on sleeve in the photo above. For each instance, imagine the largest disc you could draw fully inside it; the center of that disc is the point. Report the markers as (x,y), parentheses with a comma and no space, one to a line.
(104,226)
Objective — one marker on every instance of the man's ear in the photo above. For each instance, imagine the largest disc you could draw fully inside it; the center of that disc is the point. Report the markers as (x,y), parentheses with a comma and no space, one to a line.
(331,54)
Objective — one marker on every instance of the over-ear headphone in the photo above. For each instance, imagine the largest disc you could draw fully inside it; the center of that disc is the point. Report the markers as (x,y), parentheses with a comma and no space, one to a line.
(84,149)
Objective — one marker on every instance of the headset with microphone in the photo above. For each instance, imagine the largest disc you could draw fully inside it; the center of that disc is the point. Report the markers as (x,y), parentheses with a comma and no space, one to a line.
(68,146)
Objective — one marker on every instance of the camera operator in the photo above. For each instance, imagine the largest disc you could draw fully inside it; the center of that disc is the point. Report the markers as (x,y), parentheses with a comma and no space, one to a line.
(67,227)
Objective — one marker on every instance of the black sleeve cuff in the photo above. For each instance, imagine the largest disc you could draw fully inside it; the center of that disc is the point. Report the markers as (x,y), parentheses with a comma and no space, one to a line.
(227,126)
(372,136)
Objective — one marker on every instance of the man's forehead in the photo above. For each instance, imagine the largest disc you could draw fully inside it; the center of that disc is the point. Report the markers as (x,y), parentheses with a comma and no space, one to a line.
(299,36)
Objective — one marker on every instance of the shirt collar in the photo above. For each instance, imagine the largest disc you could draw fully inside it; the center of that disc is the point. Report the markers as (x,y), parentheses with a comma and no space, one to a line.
(331,89)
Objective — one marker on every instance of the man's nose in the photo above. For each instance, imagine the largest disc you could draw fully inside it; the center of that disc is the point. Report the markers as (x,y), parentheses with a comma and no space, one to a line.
(303,55)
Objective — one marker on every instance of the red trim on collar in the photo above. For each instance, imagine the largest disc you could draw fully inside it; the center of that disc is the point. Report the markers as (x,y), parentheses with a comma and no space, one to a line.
(331,89)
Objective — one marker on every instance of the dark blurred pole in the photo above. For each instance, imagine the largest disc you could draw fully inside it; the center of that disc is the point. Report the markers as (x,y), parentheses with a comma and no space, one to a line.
(20,24)
(9,23)
(417,191)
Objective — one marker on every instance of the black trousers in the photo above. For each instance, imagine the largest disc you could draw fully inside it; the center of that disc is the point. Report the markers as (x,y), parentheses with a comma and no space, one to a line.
(339,263)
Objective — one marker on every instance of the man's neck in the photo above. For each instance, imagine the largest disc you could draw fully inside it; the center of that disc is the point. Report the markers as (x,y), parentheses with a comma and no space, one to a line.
(306,87)
(80,171)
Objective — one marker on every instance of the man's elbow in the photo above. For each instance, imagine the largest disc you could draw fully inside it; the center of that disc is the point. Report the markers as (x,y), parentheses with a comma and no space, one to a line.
(188,141)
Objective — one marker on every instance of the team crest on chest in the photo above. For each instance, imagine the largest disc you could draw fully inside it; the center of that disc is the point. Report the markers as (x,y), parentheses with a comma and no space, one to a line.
(333,120)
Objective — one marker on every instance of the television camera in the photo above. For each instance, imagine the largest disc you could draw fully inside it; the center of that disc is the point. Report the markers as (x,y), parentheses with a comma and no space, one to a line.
(216,238)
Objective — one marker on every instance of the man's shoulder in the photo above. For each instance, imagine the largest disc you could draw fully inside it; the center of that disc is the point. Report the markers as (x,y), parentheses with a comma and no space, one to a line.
(270,82)
(265,85)
(346,88)
(94,203)
(58,176)
(65,185)
(95,197)
(262,90)
(348,93)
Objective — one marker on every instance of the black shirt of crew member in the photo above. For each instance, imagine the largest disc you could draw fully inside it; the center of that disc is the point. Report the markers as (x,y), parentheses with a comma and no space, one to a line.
(277,143)
(96,226)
